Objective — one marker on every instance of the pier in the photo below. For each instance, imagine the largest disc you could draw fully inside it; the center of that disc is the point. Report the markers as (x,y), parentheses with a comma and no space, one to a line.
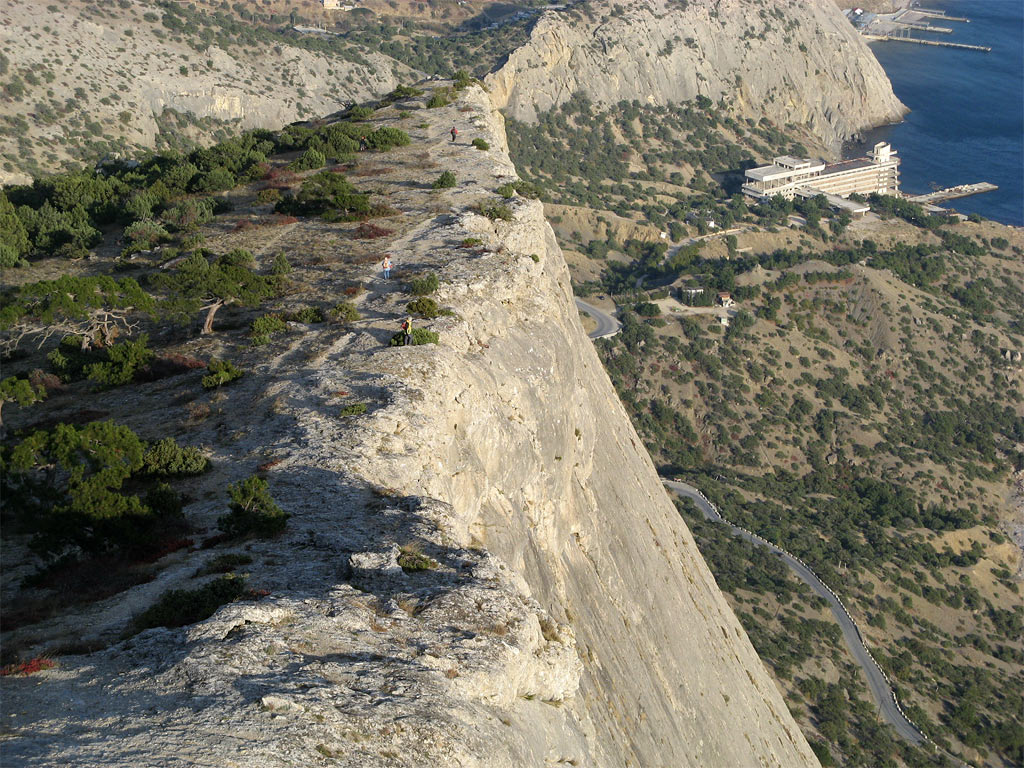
(934,14)
(921,41)
(924,27)
(960,190)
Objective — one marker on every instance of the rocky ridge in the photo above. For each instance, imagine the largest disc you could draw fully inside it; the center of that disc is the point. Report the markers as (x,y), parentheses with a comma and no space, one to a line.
(569,619)
(797,61)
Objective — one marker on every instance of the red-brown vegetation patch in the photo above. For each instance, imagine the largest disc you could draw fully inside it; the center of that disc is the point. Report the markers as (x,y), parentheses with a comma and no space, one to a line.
(372,170)
(26,668)
(166,366)
(368,231)
(76,582)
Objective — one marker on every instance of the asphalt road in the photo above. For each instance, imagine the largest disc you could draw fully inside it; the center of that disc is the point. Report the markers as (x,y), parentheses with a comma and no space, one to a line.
(880,690)
(606,324)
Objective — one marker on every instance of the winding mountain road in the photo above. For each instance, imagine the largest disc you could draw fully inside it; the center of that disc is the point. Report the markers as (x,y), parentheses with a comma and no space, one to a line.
(880,689)
(606,324)
(882,692)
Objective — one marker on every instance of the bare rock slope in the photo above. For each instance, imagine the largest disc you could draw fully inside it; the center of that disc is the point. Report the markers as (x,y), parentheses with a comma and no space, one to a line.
(794,61)
(568,619)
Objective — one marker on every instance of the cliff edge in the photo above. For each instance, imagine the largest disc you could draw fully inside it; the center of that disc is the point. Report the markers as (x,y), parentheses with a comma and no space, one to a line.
(796,61)
(560,613)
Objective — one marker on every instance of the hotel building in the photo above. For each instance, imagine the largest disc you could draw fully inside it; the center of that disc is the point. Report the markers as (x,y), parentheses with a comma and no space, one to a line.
(789,176)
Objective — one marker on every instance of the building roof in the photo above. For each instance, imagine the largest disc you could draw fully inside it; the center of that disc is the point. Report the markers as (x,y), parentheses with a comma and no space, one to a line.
(772,172)
(848,165)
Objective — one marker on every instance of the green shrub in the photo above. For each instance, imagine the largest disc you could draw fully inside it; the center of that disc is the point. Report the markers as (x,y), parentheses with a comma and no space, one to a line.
(166,458)
(356,409)
(189,215)
(310,160)
(471,242)
(423,284)
(419,336)
(400,93)
(345,312)
(66,486)
(68,359)
(221,372)
(480,144)
(20,391)
(438,99)
(387,137)
(462,80)
(360,113)
(412,559)
(326,192)
(424,306)
(280,267)
(269,195)
(253,511)
(495,211)
(143,235)
(535,257)
(179,607)
(122,363)
(445,181)
(307,315)
(523,188)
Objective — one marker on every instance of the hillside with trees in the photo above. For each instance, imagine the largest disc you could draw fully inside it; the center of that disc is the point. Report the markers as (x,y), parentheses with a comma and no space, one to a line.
(863,409)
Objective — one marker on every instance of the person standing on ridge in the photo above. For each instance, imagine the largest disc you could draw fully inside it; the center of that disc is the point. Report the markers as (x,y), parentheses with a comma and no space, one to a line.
(407,329)
(386,266)
(454,132)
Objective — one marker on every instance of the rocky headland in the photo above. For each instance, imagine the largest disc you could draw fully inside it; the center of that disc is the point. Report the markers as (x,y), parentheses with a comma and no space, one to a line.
(798,62)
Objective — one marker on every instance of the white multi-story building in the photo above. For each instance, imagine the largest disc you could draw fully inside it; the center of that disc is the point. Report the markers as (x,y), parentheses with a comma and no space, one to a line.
(788,176)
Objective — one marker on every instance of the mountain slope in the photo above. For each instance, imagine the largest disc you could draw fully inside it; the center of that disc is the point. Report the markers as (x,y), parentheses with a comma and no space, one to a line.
(82,81)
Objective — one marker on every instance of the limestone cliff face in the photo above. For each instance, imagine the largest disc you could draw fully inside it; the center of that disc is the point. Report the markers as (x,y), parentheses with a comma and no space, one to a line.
(794,61)
(569,620)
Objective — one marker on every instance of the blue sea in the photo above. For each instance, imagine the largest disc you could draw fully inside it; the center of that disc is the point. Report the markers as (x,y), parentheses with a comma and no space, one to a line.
(967,107)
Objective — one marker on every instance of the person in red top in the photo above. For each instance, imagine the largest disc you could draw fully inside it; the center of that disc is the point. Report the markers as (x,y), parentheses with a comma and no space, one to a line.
(454,132)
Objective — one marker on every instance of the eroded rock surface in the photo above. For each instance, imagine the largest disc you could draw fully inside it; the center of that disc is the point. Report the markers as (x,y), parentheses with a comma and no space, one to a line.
(569,620)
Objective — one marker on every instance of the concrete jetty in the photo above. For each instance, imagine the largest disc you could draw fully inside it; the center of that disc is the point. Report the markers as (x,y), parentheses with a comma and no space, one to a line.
(960,190)
(932,13)
(920,41)
(924,27)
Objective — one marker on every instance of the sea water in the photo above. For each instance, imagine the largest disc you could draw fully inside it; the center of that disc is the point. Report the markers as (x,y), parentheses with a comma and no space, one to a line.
(967,107)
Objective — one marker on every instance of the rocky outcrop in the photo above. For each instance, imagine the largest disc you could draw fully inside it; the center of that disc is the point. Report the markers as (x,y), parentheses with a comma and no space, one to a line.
(119,75)
(794,61)
(561,613)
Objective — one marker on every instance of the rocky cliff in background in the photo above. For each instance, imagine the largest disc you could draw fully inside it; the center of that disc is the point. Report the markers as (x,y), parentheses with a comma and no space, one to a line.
(559,612)
(80,82)
(793,61)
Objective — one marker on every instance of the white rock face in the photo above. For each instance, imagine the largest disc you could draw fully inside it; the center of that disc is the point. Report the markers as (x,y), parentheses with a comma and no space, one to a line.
(570,619)
(794,61)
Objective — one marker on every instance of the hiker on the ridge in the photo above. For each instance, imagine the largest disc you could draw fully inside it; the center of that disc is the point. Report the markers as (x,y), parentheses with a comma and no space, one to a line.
(407,329)
(386,266)
(454,132)
(363,144)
